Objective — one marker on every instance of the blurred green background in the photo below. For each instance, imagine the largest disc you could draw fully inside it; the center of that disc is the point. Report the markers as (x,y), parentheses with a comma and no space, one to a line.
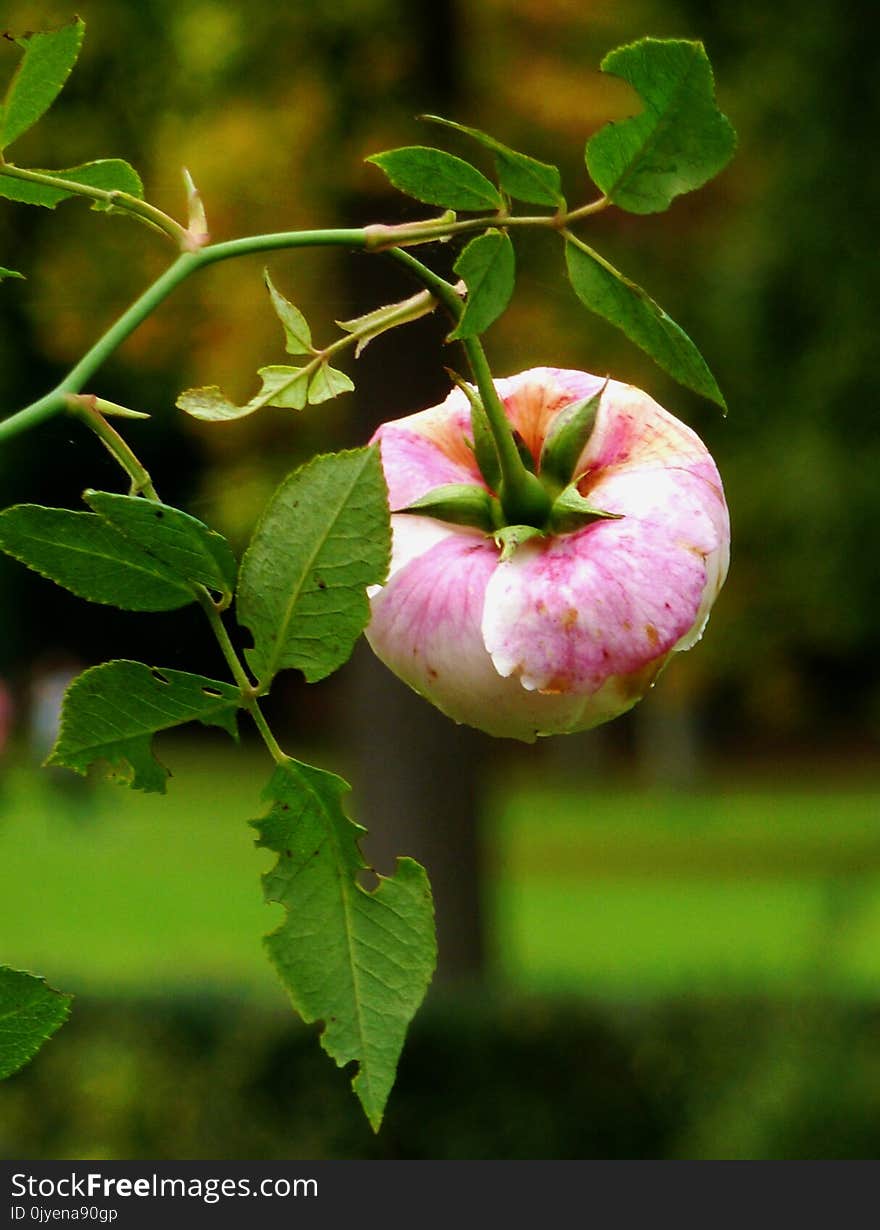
(661,939)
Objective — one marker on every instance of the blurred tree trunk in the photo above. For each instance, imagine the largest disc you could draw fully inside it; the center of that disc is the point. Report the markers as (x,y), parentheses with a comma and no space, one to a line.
(417,774)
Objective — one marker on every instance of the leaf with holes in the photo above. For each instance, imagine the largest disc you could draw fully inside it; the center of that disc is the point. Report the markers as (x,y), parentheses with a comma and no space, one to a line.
(322,539)
(609,294)
(111,713)
(181,542)
(83,553)
(358,961)
(438,178)
(109,174)
(45,66)
(488,268)
(678,142)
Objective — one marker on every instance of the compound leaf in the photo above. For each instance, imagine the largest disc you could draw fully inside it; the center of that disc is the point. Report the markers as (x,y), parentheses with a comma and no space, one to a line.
(358,961)
(48,58)
(83,553)
(112,711)
(323,538)
(438,178)
(488,267)
(609,294)
(677,143)
(30,1013)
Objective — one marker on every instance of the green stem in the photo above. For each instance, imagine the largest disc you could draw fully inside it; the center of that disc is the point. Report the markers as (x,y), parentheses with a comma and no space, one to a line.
(142,210)
(88,410)
(523,498)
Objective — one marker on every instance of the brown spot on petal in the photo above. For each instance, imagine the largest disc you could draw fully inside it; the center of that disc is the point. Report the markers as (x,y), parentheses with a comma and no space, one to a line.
(652,634)
(570,618)
(432,674)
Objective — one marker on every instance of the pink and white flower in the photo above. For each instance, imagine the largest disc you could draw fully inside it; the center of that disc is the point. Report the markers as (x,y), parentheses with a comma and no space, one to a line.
(573,628)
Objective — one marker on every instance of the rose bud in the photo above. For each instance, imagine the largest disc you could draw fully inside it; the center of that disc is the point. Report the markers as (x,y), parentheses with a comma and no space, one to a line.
(562,623)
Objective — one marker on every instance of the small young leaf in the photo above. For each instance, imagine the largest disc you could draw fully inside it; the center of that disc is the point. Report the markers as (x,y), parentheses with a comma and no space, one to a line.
(458,503)
(30,1013)
(197,221)
(328,383)
(438,178)
(111,713)
(567,438)
(84,554)
(323,538)
(522,177)
(388,317)
(488,267)
(285,387)
(609,294)
(677,143)
(9,273)
(511,537)
(186,545)
(109,174)
(358,961)
(48,58)
(296,329)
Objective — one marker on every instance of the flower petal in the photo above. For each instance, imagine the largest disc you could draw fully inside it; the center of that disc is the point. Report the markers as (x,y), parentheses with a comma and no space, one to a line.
(428,450)
(534,398)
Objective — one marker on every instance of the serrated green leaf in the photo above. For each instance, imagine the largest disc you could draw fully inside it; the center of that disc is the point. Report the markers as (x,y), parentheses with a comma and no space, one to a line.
(605,291)
(323,538)
(109,174)
(358,961)
(438,178)
(30,1013)
(111,713)
(328,383)
(9,273)
(84,554)
(186,545)
(459,504)
(488,267)
(48,58)
(567,438)
(522,177)
(297,333)
(677,143)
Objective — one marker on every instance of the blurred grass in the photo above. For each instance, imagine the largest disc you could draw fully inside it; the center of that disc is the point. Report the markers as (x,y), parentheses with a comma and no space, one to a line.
(616,890)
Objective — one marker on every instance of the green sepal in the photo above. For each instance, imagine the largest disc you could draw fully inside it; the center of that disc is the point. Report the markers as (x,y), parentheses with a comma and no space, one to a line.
(459,504)
(485,450)
(522,177)
(30,1013)
(567,439)
(571,512)
(511,537)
